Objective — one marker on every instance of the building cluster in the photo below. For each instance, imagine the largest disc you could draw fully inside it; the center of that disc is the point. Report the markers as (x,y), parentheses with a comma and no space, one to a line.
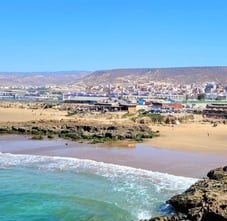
(150,98)
(150,90)
(215,111)
(29,93)
(129,90)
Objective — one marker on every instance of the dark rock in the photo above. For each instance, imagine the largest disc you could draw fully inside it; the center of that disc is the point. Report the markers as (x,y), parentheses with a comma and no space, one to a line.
(218,174)
(87,130)
(225,168)
(179,217)
(21,130)
(4,130)
(206,200)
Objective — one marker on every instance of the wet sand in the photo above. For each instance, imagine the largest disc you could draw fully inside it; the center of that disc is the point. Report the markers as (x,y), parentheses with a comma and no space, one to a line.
(183,163)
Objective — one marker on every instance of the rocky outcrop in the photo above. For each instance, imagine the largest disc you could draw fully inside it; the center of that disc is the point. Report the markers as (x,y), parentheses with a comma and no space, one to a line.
(79,130)
(206,200)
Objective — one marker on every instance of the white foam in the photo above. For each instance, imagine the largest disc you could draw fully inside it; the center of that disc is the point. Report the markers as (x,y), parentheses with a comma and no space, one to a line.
(112,171)
(141,215)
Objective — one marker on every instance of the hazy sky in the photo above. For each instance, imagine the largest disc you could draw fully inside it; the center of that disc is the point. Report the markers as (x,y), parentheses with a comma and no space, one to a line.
(54,35)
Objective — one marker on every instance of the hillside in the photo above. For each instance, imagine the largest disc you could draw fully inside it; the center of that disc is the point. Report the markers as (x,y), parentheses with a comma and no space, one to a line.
(40,78)
(186,75)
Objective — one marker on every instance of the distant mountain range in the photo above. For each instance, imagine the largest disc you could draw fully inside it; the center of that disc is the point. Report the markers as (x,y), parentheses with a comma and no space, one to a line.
(184,75)
(40,78)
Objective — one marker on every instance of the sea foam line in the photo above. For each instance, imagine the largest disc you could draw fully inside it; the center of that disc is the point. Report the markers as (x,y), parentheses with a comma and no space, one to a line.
(100,168)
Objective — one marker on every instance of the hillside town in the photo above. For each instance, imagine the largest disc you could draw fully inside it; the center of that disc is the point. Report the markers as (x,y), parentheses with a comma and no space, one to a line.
(128,90)
(131,96)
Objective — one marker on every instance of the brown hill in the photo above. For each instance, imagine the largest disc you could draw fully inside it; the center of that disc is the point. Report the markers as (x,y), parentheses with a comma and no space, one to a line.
(184,75)
(40,78)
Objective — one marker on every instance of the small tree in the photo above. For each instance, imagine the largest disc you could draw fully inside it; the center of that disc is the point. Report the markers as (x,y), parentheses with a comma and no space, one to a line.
(186,97)
(201,96)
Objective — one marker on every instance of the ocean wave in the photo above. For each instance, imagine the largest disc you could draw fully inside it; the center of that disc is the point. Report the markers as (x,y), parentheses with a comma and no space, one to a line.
(164,180)
(132,189)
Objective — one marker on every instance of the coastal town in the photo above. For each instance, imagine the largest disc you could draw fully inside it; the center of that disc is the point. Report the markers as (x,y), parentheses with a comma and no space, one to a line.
(113,110)
(119,123)
(210,91)
(130,121)
(209,98)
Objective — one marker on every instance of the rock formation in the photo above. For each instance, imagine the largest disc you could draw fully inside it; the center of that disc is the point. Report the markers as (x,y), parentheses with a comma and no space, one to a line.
(77,130)
(206,200)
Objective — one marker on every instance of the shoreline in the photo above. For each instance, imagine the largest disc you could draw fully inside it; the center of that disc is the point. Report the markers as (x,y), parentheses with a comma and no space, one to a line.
(175,162)
(190,148)
(196,137)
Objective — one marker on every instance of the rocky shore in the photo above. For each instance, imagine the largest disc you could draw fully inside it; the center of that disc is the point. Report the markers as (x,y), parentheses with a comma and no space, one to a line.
(78,130)
(206,200)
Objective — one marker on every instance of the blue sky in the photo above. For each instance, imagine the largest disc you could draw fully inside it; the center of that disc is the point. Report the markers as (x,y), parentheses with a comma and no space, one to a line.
(55,35)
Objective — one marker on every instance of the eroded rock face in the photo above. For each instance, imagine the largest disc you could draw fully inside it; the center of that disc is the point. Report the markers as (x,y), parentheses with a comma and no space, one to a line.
(206,200)
(78,129)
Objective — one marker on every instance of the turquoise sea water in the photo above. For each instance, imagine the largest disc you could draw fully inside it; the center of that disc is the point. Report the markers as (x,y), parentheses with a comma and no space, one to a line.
(67,189)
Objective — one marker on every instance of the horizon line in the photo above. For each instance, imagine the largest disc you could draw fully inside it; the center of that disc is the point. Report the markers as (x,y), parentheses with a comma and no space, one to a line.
(110,69)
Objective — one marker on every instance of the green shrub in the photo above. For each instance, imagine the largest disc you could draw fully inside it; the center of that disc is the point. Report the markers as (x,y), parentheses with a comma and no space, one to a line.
(128,115)
(37,137)
(73,136)
(70,114)
(155,118)
(50,136)
(138,138)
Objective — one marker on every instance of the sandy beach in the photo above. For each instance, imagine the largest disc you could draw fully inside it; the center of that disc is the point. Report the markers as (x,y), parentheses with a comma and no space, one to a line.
(16,114)
(188,149)
(196,137)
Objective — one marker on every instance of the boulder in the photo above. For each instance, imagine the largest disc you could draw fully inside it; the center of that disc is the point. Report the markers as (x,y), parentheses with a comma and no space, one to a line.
(206,200)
